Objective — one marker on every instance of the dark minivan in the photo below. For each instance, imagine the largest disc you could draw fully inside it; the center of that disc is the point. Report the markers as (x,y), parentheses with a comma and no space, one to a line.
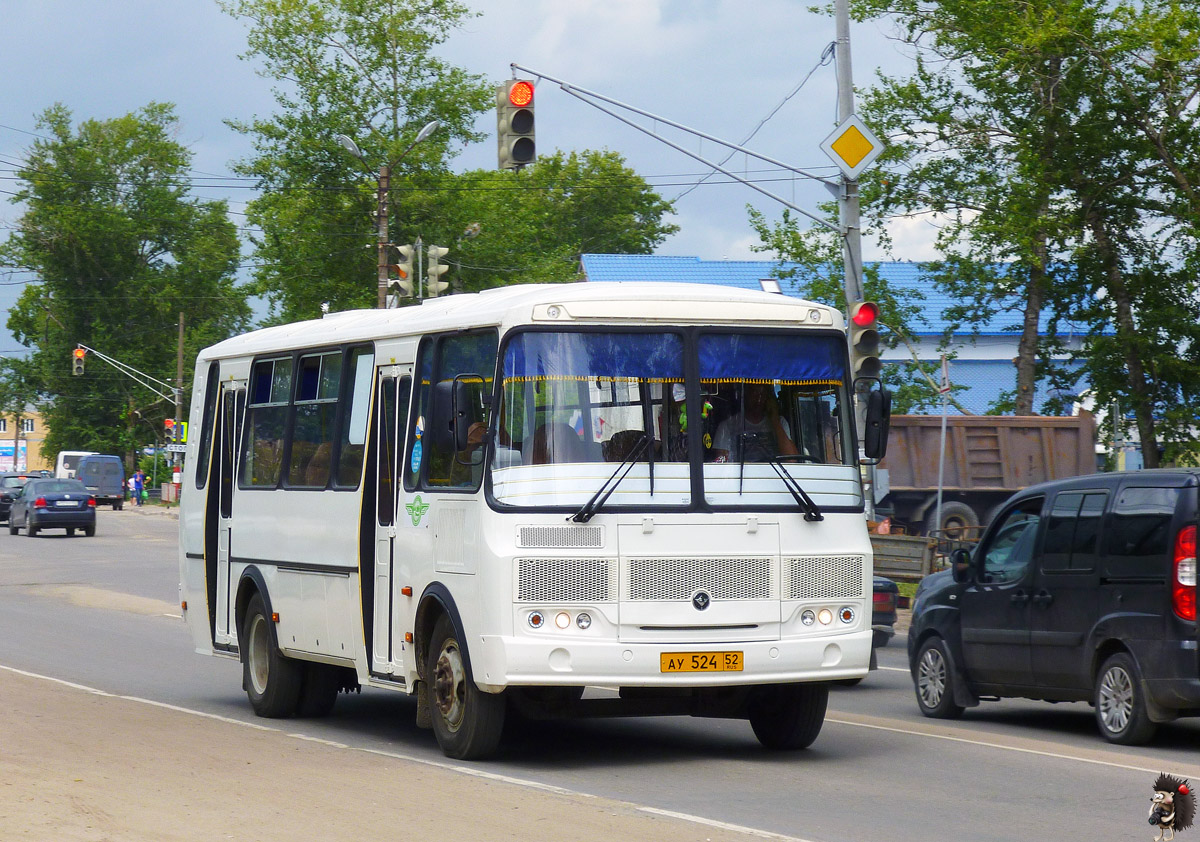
(1080,590)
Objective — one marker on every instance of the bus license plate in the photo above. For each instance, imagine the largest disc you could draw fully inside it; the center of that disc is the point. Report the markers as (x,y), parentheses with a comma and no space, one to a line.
(700,662)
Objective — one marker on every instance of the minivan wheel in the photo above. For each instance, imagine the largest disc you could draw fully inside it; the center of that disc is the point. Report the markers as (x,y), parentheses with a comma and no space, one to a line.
(1121,702)
(931,681)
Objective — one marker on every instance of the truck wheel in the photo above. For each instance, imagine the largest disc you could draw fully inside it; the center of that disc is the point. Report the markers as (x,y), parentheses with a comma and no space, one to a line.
(272,681)
(931,681)
(1121,702)
(956,519)
(467,722)
(787,717)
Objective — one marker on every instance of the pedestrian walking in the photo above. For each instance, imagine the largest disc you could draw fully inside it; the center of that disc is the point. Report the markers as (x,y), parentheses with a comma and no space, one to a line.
(139,485)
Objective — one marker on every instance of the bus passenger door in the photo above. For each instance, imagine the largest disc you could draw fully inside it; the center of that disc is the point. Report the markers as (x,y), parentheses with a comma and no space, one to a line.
(391,410)
(232,408)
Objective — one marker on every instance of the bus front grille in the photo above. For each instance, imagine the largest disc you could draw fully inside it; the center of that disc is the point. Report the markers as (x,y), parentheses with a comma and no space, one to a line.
(678,579)
(824,577)
(564,580)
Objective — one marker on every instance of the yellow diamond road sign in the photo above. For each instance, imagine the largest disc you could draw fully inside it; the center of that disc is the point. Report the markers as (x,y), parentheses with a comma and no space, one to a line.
(852,146)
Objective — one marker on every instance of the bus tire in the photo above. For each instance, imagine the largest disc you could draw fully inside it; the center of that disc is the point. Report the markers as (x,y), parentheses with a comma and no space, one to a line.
(272,681)
(319,690)
(788,717)
(467,722)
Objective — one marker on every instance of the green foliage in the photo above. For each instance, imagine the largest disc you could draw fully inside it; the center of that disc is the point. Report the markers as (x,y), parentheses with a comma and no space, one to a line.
(533,225)
(120,251)
(368,70)
(1058,143)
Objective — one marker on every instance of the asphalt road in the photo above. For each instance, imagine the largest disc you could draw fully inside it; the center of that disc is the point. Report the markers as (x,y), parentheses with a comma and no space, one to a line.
(101,613)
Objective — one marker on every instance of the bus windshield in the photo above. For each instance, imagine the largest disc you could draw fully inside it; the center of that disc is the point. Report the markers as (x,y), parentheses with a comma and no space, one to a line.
(574,405)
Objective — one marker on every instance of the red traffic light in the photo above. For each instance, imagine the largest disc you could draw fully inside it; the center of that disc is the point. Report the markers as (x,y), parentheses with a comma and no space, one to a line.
(79,353)
(521,93)
(865,313)
(169,423)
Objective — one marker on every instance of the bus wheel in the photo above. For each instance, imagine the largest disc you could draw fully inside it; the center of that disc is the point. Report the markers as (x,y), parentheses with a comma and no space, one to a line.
(786,717)
(272,681)
(467,722)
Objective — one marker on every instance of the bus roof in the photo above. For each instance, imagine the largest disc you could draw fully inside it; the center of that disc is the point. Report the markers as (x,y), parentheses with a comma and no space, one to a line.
(577,304)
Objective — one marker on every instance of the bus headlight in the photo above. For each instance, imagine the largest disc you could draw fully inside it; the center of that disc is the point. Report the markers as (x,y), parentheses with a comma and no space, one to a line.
(536,619)
(562,619)
(825,616)
(584,620)
(846,615)
(808,617)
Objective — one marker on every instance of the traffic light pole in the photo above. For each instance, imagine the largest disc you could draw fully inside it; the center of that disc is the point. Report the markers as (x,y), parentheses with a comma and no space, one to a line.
(385,176)
(851,229)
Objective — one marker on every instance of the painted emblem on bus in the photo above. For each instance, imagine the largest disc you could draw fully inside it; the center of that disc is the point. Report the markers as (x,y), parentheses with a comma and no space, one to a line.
(417,509)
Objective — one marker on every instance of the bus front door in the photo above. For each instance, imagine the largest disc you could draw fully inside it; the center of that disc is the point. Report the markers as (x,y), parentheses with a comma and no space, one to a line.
(233,402)
(391,411)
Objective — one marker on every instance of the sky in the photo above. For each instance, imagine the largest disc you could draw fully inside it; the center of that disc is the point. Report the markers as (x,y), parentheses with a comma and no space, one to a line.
(719,66)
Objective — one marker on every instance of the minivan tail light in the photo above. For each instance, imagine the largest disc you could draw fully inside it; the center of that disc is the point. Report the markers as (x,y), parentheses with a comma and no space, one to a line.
(1183,584)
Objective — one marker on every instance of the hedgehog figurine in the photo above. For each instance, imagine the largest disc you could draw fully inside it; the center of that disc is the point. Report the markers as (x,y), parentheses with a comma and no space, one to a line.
(1173,806)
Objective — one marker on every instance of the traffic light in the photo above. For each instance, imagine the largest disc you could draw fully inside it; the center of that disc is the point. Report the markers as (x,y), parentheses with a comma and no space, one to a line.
(436,269)
(864,340)
(514,123)
(169,428)
(404,269)
(77,357)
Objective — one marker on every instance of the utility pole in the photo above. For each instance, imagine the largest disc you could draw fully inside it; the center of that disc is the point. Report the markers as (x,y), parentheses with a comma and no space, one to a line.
(848,201)
(848,216)
(176,458)
(385,175)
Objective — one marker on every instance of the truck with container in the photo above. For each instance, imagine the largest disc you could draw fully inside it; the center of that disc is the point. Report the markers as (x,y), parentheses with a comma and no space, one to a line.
(987,459)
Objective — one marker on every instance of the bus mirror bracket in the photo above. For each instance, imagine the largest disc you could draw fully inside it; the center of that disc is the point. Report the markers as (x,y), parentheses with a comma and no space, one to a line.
(452,413)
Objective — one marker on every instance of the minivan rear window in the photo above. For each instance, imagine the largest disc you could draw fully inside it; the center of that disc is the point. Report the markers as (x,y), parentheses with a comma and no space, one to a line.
(1138,538)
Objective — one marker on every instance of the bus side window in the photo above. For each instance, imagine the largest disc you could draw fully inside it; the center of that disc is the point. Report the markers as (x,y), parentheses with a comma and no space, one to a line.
(472,357)
(266,424)
(361,370)
(212,388)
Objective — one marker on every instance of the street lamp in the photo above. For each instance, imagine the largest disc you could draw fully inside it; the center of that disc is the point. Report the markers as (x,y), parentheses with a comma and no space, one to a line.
(385,174)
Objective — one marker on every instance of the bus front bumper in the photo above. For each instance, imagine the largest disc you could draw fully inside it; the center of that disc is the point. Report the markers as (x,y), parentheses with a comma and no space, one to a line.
(505,661)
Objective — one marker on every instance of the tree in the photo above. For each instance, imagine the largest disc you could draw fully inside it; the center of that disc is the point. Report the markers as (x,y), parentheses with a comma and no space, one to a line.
(119,251)
(1054,139)
(366,70)
(533,225)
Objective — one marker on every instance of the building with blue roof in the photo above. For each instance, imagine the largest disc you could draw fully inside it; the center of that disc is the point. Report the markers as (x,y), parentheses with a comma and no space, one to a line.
(985,357)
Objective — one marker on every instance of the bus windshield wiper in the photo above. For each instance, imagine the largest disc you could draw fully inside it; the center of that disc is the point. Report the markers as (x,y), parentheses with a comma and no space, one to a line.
(588,510)
(806,504)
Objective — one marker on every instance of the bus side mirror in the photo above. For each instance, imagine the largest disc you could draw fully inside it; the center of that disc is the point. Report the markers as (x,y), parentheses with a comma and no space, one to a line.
(451,414)
(879,421)
(960,565)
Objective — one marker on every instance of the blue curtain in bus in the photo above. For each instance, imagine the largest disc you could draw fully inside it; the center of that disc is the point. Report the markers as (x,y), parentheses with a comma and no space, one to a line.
(585,356)
(795,358)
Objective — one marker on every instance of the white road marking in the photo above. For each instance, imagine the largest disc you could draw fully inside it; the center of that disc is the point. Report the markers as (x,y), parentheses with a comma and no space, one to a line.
(465,770)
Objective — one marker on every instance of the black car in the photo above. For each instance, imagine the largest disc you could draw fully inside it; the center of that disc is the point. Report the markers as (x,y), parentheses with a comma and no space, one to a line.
(885,596)
(10,482)
(53,504)
(1080,590)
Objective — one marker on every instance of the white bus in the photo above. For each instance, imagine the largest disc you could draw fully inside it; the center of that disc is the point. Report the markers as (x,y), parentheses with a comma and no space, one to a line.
(497,500)
(67,461)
